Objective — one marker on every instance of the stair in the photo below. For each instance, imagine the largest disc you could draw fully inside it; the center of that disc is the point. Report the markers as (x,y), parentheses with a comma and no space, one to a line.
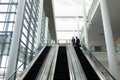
(31,75)
(61,70)
(87,68)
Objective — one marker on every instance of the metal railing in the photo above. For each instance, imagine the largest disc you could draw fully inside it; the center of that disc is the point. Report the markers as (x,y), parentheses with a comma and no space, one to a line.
(102,48)
(20,71)
(99,65)
(75,68)
(46,72)
(63,41)
(98,49)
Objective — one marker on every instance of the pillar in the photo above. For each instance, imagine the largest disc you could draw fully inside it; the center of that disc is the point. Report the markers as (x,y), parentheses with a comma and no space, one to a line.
(15,40)
(85,25)
(109,39)
(78,26)
(46,29)
(39,22)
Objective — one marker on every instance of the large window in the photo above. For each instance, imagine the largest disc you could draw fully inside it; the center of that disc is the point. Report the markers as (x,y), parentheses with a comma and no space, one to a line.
(7,14)
(29,31)
(68,27)
(7,20)
(69,18)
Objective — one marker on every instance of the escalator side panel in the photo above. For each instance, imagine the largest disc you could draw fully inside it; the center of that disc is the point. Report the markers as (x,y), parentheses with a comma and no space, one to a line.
(31,75)
(61,70)
(89,71)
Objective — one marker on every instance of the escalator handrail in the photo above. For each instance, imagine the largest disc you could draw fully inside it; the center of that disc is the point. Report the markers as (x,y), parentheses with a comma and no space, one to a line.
(24,73)
(31,64)
(92,56)
(70,65)
(96,61)
(47,70)
(73,59)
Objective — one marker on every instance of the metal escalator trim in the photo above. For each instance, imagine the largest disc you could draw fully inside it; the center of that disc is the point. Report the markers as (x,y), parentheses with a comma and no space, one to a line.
(33,72)
(52,69)
(47,70)
(31,64)
(89,71)
(77,72)
(100,75)
(70,65)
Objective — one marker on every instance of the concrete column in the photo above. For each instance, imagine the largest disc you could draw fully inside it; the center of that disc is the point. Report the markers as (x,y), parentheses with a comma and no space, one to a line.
(85,24)
(15,40)
(78,27)
(46,29)
(109,39)
(39,22)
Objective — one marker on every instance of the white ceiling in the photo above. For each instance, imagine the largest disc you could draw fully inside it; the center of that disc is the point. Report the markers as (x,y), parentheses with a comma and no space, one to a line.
(69,7)
(71,2)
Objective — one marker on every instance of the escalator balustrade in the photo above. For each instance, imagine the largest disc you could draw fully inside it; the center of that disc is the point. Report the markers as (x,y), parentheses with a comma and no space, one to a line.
(31,75)
(87,68)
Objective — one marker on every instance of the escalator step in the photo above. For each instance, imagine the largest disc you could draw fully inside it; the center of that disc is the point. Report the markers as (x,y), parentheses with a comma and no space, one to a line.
(61,70)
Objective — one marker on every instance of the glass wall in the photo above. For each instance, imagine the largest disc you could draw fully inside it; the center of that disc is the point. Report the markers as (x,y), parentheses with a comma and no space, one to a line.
(7,20)
(28,32)
(28,40)
(7,14)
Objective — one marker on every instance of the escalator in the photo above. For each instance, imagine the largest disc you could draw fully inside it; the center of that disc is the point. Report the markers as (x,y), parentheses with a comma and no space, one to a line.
(31,75)
(88,70)
(61,69)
